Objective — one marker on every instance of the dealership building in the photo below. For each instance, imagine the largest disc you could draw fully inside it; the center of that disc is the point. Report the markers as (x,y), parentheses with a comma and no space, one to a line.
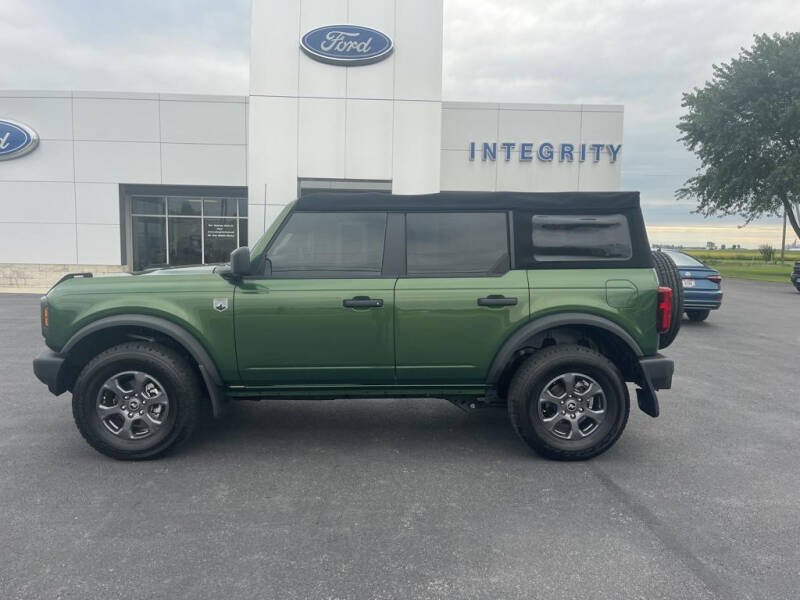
(344,94)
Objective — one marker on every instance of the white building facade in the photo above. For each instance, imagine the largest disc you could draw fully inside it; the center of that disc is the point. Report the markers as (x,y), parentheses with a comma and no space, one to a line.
(129,181)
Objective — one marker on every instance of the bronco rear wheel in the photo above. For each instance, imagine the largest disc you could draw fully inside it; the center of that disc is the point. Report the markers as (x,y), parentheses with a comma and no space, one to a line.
(136,400)
(568,403)
(668,276)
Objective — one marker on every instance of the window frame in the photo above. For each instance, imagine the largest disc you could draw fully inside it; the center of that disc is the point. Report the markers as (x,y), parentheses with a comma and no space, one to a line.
(394,248)
(518,237)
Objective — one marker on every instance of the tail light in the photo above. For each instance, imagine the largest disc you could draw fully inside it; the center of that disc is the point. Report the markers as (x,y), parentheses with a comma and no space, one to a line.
(664,312)
(715,278)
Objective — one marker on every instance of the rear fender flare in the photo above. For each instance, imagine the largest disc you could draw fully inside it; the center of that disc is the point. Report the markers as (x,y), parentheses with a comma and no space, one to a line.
(523,336)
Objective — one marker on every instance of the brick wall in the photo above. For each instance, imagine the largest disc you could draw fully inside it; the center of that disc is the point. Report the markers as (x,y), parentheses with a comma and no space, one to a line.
(42,277)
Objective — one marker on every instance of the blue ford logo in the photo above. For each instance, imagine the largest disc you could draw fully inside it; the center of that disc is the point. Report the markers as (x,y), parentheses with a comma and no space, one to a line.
(16,139)
(346,45)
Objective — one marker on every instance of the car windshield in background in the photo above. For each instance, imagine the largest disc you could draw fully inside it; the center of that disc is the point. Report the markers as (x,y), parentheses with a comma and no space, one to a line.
(683,260)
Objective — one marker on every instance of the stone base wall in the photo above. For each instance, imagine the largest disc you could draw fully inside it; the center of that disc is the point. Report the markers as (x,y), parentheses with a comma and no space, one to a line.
(32,276)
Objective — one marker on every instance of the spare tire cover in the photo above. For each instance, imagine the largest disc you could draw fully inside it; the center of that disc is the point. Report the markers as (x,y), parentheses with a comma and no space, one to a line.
(668,276)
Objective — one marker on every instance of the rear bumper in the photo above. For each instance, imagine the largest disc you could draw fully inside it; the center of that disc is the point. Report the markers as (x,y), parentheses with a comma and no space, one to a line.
(702,300)
(49,369)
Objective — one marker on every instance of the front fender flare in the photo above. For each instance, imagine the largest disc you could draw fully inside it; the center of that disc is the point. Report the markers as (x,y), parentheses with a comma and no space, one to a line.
(208,369)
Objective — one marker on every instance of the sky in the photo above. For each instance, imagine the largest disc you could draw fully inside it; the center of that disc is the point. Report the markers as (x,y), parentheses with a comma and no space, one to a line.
(643,54)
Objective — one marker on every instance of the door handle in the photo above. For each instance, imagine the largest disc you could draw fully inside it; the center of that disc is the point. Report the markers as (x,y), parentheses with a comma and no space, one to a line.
(496,300)
(363,302)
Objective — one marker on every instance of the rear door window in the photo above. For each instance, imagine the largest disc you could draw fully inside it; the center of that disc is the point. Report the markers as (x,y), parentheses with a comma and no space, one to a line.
(457,244)
(571,238)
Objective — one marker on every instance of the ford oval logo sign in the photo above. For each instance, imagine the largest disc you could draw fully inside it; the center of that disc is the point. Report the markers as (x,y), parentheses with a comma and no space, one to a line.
(16,139)
(348,45)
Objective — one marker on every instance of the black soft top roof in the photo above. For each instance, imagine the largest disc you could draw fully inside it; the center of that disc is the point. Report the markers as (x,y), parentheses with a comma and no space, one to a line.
(545,201)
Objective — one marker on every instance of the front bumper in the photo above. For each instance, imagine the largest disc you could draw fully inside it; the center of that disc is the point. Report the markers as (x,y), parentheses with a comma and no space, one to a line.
(49,369)
(657,373)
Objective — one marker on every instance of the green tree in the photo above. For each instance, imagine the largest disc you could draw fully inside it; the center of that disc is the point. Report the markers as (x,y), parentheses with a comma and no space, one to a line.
(744,126)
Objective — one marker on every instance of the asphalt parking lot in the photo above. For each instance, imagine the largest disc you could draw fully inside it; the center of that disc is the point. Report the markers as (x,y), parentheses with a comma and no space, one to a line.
(416,499)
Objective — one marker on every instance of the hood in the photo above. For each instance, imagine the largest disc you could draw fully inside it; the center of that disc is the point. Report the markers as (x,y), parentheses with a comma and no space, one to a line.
(192,278)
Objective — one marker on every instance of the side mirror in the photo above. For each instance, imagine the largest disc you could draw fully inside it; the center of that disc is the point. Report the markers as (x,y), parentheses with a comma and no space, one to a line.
(240,262)
(267,267)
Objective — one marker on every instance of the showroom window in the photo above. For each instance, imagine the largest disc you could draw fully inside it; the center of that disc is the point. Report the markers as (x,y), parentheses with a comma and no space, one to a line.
(185,226)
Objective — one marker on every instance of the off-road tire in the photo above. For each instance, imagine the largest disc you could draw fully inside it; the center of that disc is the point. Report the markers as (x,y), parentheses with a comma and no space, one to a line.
(668,276)
(173,372)
(533,375)
(698,315)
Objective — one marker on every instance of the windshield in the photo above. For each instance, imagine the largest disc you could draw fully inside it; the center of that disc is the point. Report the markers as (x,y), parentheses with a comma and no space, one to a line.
(683,260)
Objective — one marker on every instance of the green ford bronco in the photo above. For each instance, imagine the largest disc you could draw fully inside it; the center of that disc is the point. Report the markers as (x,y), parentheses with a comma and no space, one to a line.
(546,304)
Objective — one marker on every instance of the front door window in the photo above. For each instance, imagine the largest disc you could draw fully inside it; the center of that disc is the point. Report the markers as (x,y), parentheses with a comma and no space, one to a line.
(326,245)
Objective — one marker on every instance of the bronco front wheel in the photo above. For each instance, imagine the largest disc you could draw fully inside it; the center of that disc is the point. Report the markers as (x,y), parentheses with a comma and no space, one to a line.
(568,402)
(136,400)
